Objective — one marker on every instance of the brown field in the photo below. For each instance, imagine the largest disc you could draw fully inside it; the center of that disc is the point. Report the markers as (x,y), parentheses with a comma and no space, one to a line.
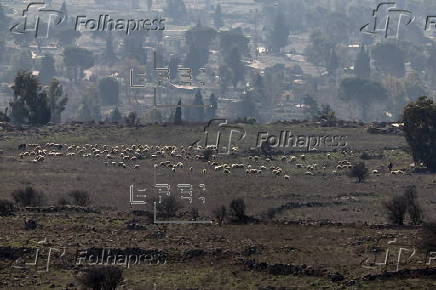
(331,229)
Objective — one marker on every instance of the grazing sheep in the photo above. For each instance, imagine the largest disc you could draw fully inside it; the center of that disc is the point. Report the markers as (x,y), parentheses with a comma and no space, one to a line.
(375,171)
(204,171)
(137,166)
(286,177)
(303,157)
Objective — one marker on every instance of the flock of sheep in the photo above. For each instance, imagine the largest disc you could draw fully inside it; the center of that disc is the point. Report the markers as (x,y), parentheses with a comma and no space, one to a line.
(175,157)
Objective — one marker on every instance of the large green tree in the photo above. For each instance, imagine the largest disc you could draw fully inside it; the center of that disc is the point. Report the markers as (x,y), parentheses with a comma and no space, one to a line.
(89,108)
(218,17)
(362,68)
(279,33)
(213,106)
(109,91)
(57,101)
(231,39)
(318,52)
(198,39)
(78,59)
(47,71)
(198,110)
(363,92)
(420,131)
(177,11)
(389,58)
(30,103)
(234,61)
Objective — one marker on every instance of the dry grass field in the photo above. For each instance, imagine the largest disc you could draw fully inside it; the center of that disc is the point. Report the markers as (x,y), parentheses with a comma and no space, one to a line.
(331,230)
